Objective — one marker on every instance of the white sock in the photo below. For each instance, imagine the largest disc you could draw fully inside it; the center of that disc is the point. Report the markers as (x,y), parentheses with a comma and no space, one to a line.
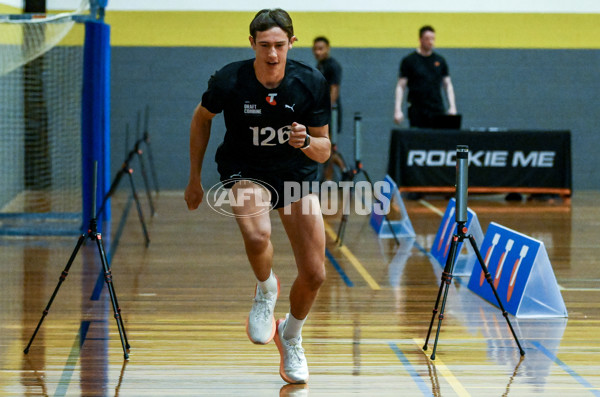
(293,327)
(269,285)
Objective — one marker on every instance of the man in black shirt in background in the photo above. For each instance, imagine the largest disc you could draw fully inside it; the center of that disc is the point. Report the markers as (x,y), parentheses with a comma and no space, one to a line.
(424,73)
(332,70)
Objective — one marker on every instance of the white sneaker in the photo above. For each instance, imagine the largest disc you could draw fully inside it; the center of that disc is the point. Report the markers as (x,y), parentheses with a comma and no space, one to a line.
(260,324)
(292,367)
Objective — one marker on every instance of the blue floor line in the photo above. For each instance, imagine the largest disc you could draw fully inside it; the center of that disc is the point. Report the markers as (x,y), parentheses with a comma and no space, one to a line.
(83,330)
(339,269)
(69,369)
(411,370)
(566,368)
(421,248)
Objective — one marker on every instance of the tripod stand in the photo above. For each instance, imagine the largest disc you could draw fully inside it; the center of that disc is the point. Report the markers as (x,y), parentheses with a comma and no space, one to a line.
(92,234)
(139,152)
(146,139)
(126,169)
(462,155)
(350,175)
(336,159)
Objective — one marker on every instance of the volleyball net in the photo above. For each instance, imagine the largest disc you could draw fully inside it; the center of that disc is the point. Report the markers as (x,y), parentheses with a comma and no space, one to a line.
(42,112)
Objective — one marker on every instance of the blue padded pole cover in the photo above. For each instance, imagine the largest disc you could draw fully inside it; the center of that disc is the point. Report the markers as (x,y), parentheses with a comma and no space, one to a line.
(95,118)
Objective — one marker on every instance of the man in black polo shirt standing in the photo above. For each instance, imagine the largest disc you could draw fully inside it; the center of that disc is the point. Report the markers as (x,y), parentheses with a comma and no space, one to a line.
(424,73)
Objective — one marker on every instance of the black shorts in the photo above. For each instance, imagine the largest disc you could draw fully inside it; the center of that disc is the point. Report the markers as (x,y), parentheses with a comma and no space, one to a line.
(274,179)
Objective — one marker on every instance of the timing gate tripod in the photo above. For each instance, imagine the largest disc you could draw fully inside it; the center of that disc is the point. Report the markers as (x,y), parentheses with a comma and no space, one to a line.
(92,234)
(336,159)
(350,175)
(126,169)
(462,155)
(146,139)
(137,147)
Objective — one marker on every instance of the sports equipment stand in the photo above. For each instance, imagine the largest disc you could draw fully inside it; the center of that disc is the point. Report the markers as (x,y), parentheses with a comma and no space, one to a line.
(350,175)
(138,150)
(462,156)
(336,159)
(92,234)
(126,169)
(146,139)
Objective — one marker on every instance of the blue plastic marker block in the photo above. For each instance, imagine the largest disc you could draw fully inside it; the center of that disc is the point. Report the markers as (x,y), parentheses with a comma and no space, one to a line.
(521,272)
(386,192)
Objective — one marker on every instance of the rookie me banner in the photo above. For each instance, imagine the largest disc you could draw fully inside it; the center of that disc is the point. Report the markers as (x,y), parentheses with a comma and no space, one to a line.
(533,159)
(521,272)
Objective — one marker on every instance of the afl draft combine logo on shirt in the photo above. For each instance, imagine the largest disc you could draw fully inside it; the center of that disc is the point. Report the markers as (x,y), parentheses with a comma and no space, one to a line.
(271,99)
(250,108)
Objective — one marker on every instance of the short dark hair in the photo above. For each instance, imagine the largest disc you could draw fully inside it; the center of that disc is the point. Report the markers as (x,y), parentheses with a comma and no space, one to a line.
(321,38)
(426,28)
(269,18)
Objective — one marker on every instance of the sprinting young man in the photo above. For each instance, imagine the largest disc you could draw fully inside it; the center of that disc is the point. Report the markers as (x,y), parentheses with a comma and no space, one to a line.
(276,114)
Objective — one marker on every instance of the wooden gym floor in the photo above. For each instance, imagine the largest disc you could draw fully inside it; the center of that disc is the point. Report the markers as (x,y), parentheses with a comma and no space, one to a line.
(185,298)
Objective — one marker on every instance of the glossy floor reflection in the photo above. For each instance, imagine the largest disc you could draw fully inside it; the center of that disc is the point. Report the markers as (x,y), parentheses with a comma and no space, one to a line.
(185,299)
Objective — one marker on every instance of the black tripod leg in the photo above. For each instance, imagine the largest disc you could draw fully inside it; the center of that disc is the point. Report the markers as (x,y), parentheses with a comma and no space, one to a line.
(146,139)
(435,307)
(113,296)
(344,220)
(491,283)
(343,170)
(336,161)
(146,183)
(152,168)
(139,208)
(341,230)
(447,280)
(62,278)
(451,260)
(112,189)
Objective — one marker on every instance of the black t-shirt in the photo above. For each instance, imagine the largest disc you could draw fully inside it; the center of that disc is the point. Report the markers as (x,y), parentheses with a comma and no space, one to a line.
(425,75)
(332,71)
(258,120)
